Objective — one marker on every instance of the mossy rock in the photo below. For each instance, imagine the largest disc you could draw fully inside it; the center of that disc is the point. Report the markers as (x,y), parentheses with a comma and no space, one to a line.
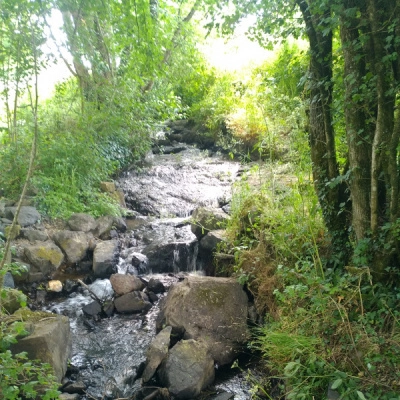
(12,300)
(46,257)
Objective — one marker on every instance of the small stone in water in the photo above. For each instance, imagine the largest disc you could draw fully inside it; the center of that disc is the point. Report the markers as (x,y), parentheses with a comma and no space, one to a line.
(54,286)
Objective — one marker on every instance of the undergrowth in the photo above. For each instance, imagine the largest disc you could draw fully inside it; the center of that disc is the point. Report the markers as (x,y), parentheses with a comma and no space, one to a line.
(324,329)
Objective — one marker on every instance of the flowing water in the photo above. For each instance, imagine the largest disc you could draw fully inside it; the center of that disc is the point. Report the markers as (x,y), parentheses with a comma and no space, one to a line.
(107,353)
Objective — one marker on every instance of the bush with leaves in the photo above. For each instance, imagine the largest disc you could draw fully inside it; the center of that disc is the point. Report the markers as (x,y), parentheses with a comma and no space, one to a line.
(324,328)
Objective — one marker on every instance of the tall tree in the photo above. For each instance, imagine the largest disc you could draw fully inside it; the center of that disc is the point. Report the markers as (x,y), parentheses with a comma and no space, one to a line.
(369,36)
(108,41)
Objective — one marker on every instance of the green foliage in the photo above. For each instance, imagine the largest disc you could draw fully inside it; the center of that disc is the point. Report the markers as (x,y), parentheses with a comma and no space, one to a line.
(260,109)
(333,331)
(323,328)
(21,377)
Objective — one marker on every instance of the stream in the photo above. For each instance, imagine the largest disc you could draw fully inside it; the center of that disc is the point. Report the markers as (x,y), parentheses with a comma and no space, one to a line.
(107,353)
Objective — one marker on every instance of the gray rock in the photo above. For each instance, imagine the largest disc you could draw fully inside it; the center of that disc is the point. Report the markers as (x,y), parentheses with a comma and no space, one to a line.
(120,224)
(123,284)
(50,342)
(82,222)
(206,219)
(77,387)
(139,261)
(8,281)
(103,227)
(105,257)
(46,257)
(74,244)
(92,309)
(27,216)
(210,309)
(156,286)
(132,302)
(156,353)
(34,235)
(211,240)
(187,370)
(108,308)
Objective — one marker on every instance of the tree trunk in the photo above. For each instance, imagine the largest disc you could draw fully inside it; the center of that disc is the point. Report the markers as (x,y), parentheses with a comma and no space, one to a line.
(357,131)
(331,194)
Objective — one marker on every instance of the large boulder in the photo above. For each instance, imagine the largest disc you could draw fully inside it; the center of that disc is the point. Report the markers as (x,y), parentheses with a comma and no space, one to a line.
(205,219)
(74,244)
(27,215)
(156,353)
(82,222)
(187,370)
(123,284)
(105,257)
(213,310)
(45,257)
(133,302)
(49,341)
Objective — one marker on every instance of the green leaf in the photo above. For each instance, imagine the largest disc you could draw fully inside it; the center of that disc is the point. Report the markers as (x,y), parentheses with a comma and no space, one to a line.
(336,383)
(360,395)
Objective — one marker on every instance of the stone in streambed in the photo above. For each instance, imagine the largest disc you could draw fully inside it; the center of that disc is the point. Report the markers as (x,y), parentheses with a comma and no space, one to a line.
(156,353)
(133,302)
(105,257)
(123,284)
(187,370)
(155,286)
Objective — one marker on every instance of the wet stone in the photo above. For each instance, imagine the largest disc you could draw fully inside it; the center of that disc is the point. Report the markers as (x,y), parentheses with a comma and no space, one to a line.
(77,387)
(131,303)
(152,297)
(8,281)
(155,286)
(123,284)
(92,309)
